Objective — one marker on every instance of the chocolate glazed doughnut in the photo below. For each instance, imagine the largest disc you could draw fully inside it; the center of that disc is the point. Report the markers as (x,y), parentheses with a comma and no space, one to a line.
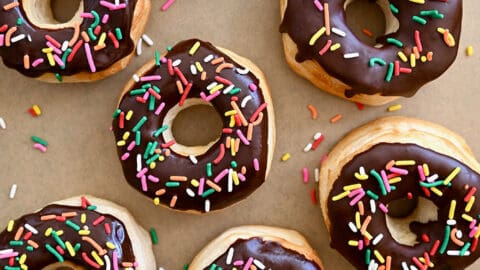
(195,178)
(258,247)
(97,42)
(320,47)
(76,234)
(400,158)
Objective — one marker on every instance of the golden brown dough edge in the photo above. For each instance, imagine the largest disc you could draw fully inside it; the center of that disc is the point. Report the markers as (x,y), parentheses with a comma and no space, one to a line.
(289,239)
(396,129)
(313,72)
(257,72)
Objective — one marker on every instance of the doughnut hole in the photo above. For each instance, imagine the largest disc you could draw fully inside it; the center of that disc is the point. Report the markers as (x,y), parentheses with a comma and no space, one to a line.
(369,20)
(402,212)
(53,14)
(195,127)
(64,266)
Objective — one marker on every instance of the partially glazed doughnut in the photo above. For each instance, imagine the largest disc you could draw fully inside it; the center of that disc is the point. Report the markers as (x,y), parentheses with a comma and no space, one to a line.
(97,42)
(76,233)
(196,178)
(258,247)
(399,158)
(321,47)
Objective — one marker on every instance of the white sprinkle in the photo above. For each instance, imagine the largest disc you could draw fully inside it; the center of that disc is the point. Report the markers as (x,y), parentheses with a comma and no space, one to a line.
(3,125)
(13,191)
(139,162)
(29,38)
(193,159)
(457,253)
(259,264)
(459,234)
(373,265)
(17,38)
(107,262)
(353,228)
(412,267)
(190,193)
(451,222)
(207,206)
(139,47)
(351,55)
(362,170)
(377,239)
(317,175)
(432,178)
(31,228)
(228,89)
(193,69)
(242,71)
(161,268)
(117,2)
(65,45)
(208,58)
(230,180)
(373,206)
(245,100)
(176,63)
(404,266)
(136,78)
(230,256)
(317,136)
(307,148)
(212,85)
(147,40)
(338,32)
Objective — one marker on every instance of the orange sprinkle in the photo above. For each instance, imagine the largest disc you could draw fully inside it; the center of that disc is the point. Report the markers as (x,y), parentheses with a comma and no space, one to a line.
(227,142)
(173,201)
(390,164)
(454,238)
(11,5)
(19,233)
(85,37)
(336,118)
(217,61)
(216,187)
(33,244)
(239,112)
(48,217)
(416,52)
(389,263)
(203,77)
(223,66)
(26,61)
(313,111)
(259,120)
(430,56)
(160,192)
(326,12)
(95,245)
(237,145)
(365,224)
(8,35)
(250,132)
(76,34)
(69,214)
(367,32)
(361,208)
(99,47)
(178,178)
(179,87)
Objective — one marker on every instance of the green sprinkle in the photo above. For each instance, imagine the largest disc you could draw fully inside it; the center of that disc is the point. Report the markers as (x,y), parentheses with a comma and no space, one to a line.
(146,86)
(156,89)
(172,184)
(72,225)
(96,22)
(151,104)
(152,149)
(117,113)
(380,181)
(137,92)
(213,267)
(139,124)
(208,193)
(169,48)
(389,76)
(91,207)
(443,248)
(372,195)
(91,34)
(434,184)
(157,59)
(235,91)
(40,141)
(118,33)
(160,131)
(19,21)
(59,77)
(58,240)
(376,60)
(152,159)
(395,42)
(138,138)
(147,150)
(153,235)
(30,249)
(234,164)
(465,248)
(185,267)
(16,243)
(11,268)
(419,20)
(395,10)
(64,58)
(209,169)
(54,253)
(432,13)
(77,247)
(368,254)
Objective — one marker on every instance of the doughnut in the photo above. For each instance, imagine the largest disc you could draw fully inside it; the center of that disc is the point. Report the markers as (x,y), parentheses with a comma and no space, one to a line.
(201,178)
(420,43)
(258,247)
(76,233)
(394,159)
(97,42)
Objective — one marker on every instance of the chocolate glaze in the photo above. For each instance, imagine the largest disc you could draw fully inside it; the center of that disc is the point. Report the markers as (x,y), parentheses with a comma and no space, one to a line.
(13,55)
(302,19)
(41,257)
(340,212)
(176,164)
(271,254)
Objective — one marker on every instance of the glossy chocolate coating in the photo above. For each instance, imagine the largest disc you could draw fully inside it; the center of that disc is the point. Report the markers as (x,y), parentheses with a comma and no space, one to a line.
(41,257)
(270,254)
(13,55)
(302,19)
(179,165)
(340,212)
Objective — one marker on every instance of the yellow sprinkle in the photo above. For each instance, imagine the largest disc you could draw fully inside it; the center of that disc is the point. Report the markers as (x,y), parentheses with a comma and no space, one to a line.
(367,235)
(421,259)
(236,181)
(452,175)
(84,232)
(97,258)
(317,35)
(37,110)
(22,259)
(405,162)
(194,48)
(48,232)
(352,187)
(199,66)
(469,51)
(10,226)
(216,88)
(129,115)
(357,220)
(377,254)
(195,183)
(451,213)
(110,245)
(340,196)
(468,208)
(126,135)
(51,61)
(70,248)
(156,201)
(426,169)
(83,218)
(60,233)
(360,176)
(353,243)
(161,158)
(394,108)
(230,113)
(335,47)
(467,217)
(121,143)
(402,57)
(232,147)
(418,1)
(153,165)
(101,40)
(395,180)
(47,50)
(477,235)
(413,60)
(286,157)
(437,191)
(423,59)
(232,122)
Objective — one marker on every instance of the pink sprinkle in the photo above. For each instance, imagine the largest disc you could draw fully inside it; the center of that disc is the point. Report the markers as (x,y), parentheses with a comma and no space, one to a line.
(201,186)
(88,53)
(160,108)
(8,255)
(473,223)
(167,4)
(253,87)
(142,172)
(256,165)
(385,181)
(150,78)
(326,47)
(144,183)
(58,60)
(164,60)
(212,96)
(248,264)
(242,137)
(105,18)
(355,192)
(360,245)
(40,147)
(131,145)
(2,39)
(220,176)
(473,232)
(55,49)
(146,95)
(399,171)
(383,208)
(86,15)
(238,263)
(153,179)
(241,177)
(357,198)
(305,175)
(318,5)
(421,172)
(125,156)
(37,62)
(115,261)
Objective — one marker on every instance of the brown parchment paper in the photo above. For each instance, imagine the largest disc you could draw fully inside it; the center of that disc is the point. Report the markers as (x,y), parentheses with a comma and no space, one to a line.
(82,158)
